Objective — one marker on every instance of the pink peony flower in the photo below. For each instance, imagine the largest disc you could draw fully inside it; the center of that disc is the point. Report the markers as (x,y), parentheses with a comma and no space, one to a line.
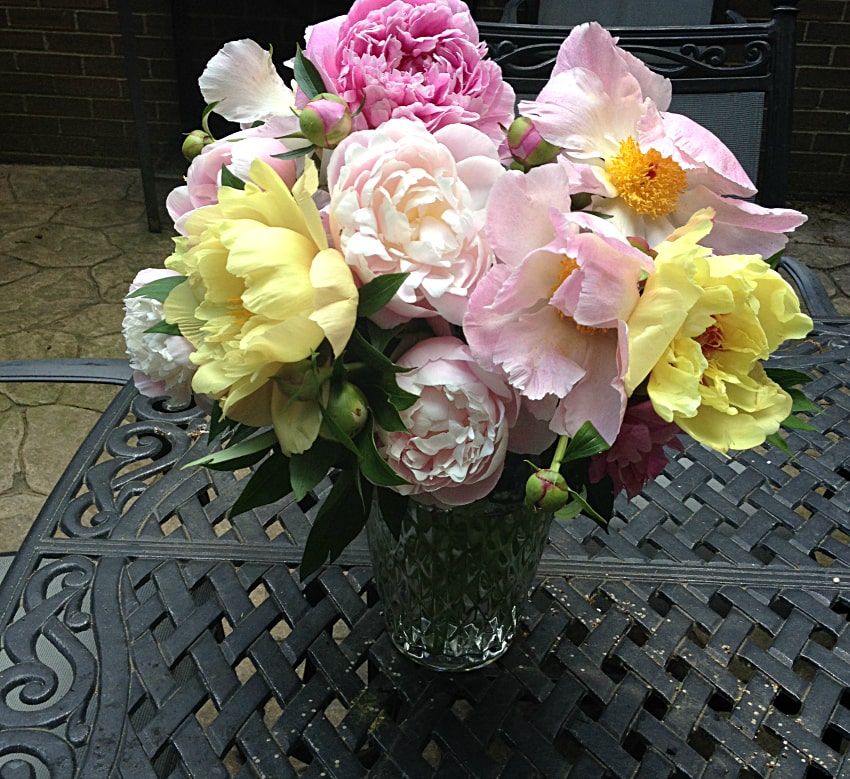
(412,58)
(637,456)
(406,200)
(454,449)
(552,316)
(236,152)
(652,169)
(160,362)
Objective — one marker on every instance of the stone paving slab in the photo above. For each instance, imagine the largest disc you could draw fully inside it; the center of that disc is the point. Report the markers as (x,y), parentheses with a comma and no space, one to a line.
(71,240)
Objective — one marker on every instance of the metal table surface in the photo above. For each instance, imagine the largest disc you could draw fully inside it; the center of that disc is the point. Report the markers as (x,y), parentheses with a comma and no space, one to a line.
(145,634)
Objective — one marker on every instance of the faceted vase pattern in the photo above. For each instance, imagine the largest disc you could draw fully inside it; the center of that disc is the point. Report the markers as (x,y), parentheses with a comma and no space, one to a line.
(453,581)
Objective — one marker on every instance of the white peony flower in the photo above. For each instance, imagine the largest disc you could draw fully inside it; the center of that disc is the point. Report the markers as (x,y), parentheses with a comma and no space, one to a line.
(160,362)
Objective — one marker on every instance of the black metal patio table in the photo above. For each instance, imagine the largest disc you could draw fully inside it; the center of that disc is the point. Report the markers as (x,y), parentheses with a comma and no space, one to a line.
(147,634)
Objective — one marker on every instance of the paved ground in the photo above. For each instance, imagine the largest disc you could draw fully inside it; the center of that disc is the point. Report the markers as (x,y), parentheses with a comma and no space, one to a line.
(71,240)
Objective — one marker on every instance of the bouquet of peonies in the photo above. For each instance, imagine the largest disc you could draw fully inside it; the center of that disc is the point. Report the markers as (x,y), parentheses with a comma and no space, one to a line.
(386,272)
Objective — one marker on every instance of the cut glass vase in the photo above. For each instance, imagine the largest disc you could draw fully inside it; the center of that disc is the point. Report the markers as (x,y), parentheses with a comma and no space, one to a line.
(452,583)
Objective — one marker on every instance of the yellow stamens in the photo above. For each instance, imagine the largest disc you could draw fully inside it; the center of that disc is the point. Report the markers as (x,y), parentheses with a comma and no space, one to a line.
(649,183)
(238,312)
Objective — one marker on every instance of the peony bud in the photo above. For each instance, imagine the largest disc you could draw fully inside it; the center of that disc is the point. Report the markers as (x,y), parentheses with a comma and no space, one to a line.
(194,144)
(326,120)
(546,490)
(347,407)
(527,145)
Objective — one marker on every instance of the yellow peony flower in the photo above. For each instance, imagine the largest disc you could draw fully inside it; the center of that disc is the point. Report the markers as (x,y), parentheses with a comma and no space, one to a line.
(263,292)
(699,332)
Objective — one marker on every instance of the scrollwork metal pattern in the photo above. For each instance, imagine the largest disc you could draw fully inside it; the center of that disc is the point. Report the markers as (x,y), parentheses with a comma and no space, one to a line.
(32,694)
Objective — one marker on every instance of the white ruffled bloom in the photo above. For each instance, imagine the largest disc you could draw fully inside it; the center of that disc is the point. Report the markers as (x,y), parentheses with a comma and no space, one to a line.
(243,82)
(160,362)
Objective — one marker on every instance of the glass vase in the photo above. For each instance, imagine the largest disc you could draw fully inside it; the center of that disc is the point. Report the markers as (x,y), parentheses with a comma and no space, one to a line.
(454,579)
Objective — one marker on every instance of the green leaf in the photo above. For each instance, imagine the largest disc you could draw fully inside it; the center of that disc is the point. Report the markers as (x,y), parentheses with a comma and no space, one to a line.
(773,260)
(792,423)
(360,349)
(393,508)
(269,483)
(799,402)
(787,377)
(307,77)
(294,154)
(159,289)
(386,414)
(569,510)
(239,455)
(339,520)
(779,442)
(372,465)
(307,469)
(585,443)
(229,180)
(205,117)
(378,292)
(165,328)
(587,509)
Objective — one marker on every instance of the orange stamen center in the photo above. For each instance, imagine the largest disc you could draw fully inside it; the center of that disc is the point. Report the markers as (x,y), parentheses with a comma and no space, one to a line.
(649,183)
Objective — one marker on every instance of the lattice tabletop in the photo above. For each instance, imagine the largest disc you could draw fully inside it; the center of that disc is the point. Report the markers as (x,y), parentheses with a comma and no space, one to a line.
(145,634)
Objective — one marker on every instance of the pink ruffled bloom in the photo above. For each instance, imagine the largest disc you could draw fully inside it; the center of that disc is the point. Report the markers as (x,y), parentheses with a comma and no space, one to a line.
(236,152)
(637,456)
(412,58)
(651,169)
(454,449)
(552,315)
(404,200)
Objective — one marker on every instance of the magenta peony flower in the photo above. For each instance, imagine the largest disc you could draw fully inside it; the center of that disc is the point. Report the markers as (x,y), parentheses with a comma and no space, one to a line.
(412,58)
(454,449)
(637,456)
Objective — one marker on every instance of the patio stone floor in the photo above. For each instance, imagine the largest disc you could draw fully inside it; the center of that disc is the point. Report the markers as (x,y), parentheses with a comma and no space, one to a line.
(72,239)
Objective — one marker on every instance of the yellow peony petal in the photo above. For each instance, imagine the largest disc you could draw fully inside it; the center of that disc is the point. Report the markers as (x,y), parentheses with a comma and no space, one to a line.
(296,422)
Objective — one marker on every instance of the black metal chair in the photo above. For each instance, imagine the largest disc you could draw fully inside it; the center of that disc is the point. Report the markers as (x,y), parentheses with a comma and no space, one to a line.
(617,13)
(736,79)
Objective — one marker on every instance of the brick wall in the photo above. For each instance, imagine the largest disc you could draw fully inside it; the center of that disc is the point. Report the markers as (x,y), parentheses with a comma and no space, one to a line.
(64,96)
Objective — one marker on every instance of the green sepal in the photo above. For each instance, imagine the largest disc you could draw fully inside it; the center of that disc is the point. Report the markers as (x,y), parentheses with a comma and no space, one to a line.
(159,289)
(378,292)
(307,469)
(230,180)
(338,521)
(587,509)
(585,443)
(372,465)
(165,328)
(240,455)
(569,510)
(306,76)
(269,483)
(774,259)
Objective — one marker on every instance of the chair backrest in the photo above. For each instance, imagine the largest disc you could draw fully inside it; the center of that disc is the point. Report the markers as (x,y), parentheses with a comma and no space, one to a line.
(617,13)
(735,79)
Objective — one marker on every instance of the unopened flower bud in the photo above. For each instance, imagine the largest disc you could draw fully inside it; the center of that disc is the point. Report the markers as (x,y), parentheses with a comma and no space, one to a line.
(326,120)
(194,144)
(546,490)
(347,407)
(527,145)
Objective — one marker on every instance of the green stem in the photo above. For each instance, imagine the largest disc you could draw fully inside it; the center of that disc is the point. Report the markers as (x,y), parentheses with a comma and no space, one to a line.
(560,451)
